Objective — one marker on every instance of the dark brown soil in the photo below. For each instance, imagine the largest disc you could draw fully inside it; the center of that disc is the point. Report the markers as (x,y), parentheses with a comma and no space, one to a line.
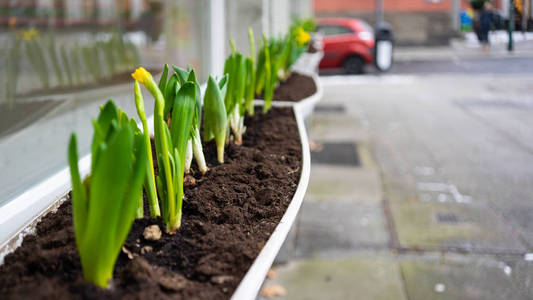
(311,48)
(295,88)
(228,216)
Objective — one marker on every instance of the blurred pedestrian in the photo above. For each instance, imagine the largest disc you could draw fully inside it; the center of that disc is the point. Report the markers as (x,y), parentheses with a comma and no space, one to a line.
(485,22)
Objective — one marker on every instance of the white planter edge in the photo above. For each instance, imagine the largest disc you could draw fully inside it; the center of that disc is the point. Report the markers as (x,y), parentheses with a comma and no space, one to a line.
(252,281)
(306,105)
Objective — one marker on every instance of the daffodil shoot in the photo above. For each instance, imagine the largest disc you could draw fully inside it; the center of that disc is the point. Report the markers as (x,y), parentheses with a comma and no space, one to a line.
(235,68)
(104,204)
(215,116)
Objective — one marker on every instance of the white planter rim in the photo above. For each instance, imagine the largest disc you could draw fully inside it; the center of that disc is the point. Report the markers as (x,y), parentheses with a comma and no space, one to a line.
(305,105)
(252,281)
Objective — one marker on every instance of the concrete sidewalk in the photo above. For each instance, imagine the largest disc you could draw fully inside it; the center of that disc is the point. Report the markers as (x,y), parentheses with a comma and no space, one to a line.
(362,236)
(469,48)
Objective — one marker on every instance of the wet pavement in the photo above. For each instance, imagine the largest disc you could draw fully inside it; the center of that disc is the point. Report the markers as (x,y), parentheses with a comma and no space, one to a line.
(441,204)
(508,65)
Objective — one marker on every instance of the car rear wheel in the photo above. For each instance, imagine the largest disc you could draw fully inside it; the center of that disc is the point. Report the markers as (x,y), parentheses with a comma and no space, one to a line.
(353,65)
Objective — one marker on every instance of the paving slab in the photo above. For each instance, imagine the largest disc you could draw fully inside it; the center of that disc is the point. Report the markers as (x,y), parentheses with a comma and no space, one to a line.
(334,183)
(376,278)
(468,227)
(332,108)
(337,127)
(333,226)
(400,190)
(522,216)
(437,281)
(522,275)
(340,153)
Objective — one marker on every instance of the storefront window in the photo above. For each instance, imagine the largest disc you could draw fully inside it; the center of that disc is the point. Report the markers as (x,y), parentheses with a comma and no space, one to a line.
(61,59)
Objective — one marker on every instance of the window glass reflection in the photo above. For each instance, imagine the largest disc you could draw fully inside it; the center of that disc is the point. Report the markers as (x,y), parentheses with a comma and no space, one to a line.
(60,60)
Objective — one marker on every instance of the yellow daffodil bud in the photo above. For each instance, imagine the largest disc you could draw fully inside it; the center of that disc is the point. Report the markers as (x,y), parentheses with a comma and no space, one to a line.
(144,78)
(141,75)
(34,33)
(302,36)
(30,34)
(27,35)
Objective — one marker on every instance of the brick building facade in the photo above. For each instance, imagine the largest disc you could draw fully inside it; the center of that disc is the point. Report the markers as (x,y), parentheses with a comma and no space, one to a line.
(415,22)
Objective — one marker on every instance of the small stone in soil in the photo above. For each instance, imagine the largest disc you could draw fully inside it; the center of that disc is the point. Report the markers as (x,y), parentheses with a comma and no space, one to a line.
(128,252)
(221,279)
(189,181)
(146,249)
(152,233)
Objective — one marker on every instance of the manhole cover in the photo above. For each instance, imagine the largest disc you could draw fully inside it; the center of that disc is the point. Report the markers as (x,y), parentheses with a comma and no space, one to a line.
(337,109)
(340,153)
(448,218)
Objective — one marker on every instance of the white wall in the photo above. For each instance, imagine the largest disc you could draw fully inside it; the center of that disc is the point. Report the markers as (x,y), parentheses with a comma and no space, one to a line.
(217,36)
(280,17)
(241,14)
(225,19)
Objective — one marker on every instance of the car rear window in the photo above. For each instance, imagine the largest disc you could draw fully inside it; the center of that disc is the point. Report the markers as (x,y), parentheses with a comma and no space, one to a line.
(328,30)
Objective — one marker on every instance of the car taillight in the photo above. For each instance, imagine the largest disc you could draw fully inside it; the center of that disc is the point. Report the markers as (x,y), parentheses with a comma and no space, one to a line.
(366,36)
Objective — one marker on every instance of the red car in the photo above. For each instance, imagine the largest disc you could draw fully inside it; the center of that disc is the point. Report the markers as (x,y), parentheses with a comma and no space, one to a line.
(348,44)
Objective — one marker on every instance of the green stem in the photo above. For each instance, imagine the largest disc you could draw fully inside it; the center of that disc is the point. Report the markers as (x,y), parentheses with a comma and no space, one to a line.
(237,124)
(250,108)
(220,153)
(232,44)
(160,124)
(269,89)
(174,224)
(188,156)
(252,43)
(199,151)
(150,177)
(140,209)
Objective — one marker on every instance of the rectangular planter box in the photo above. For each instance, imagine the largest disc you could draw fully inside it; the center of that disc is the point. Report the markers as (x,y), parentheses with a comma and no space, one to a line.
(20,216)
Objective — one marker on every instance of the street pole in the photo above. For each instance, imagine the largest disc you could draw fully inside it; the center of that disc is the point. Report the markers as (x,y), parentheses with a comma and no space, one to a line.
(379,11)
(511,25)
(524,16)
(456,22)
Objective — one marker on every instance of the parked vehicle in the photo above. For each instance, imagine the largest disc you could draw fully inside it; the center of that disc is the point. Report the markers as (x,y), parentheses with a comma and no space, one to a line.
(348,44)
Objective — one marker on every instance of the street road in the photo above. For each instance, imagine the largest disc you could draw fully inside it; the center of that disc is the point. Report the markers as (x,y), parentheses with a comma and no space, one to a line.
(510,65)
(442,204)
(457,146)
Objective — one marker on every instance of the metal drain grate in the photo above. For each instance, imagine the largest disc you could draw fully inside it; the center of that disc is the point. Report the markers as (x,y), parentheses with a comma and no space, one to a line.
(339,153)
(447,218)
(330,108)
